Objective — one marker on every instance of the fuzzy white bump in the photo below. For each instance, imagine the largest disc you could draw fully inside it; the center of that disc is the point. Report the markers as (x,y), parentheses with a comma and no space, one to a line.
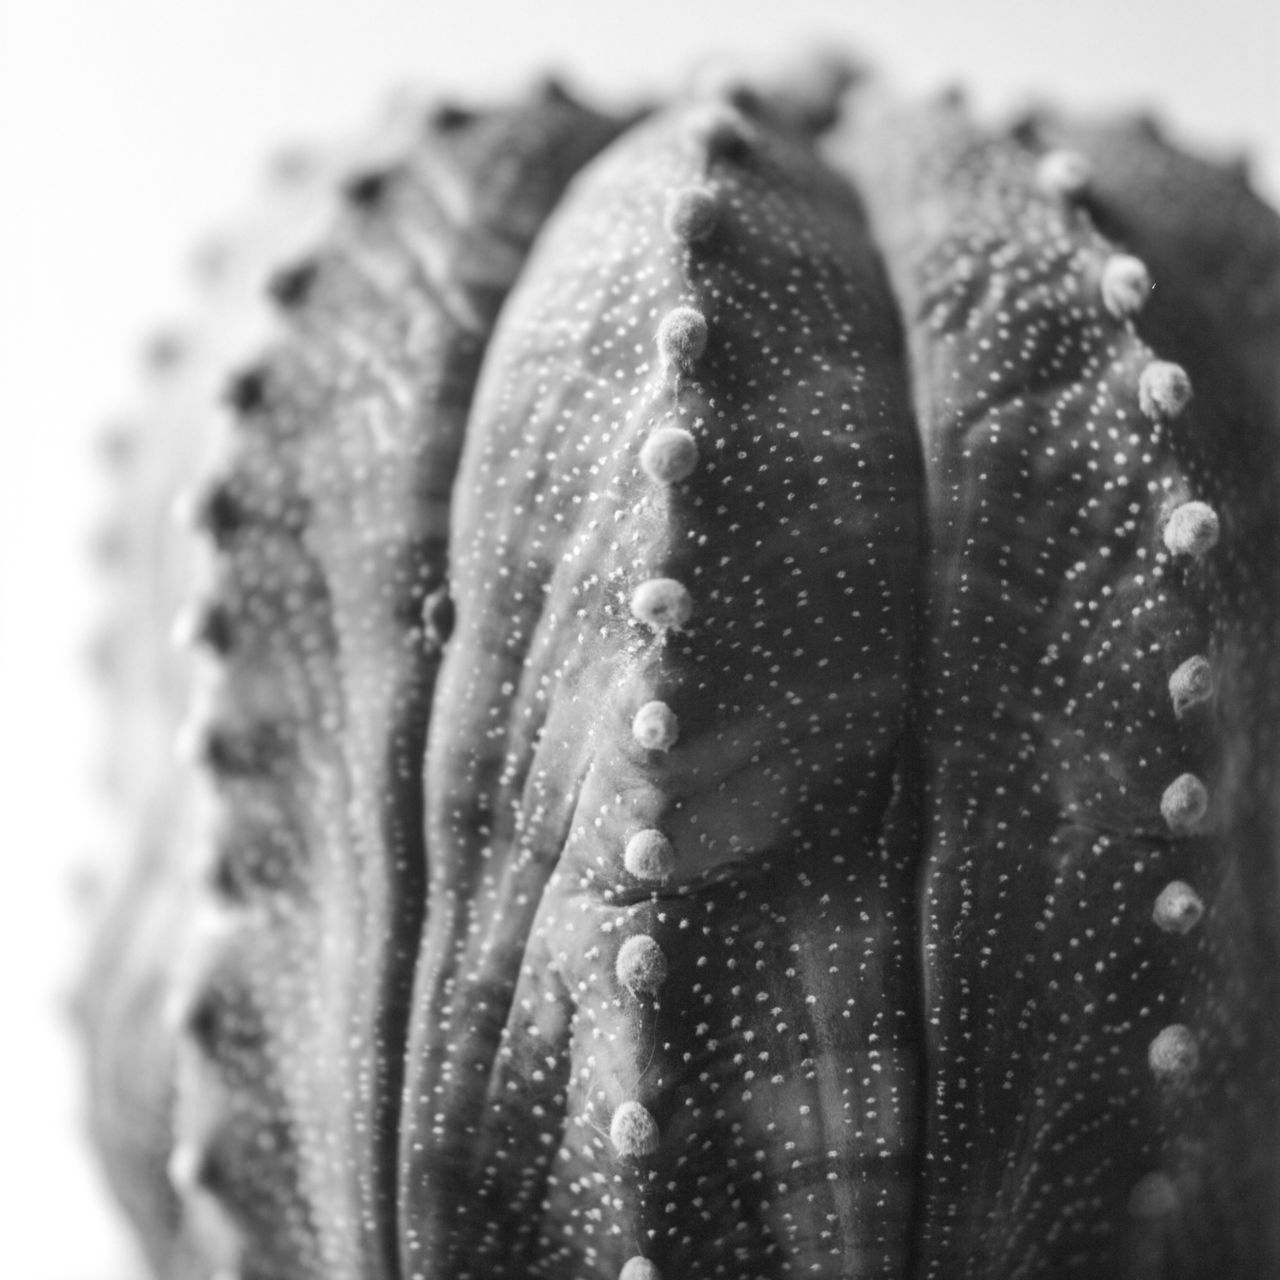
(641,966)
(691,214)
(183,1169)
(1192,529)
(1153,1196)
(662,604)
(682,337)
(655,727)
(1173,1055)
(633,1131)
(1184,803)
(1164,390)
(1126,284)
(1191,684)
(639,1268)
(1178,908)
(649,855)
(1063,174)
(669,455)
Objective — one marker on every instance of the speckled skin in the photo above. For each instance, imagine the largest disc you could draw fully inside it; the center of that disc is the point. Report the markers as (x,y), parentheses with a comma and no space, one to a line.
(1058,612)
(784,920)
(282,1029)
(842,837)
(159,896)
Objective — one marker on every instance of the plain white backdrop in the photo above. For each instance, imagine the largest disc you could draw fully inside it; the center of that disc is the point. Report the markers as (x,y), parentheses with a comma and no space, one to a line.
(130,129)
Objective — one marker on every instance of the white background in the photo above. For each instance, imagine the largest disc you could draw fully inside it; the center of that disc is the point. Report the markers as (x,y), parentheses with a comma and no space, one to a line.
(131,128)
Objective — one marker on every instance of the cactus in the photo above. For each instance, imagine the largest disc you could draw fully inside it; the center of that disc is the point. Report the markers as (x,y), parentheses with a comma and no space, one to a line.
(737,730)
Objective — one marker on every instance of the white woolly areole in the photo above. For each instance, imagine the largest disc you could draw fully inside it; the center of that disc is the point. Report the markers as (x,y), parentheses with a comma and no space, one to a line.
(633,1131)
(639,1268)
(1184,803)
(641,967)
(1178,908)
(691,214)
(1153,1196)
(1126,285)
(669,455)
(1192,529)
(1173,1054)
(655,727)
(649,855)
(1063,173)
(662,604)
(1164,390)
(682,337)
(1191,684)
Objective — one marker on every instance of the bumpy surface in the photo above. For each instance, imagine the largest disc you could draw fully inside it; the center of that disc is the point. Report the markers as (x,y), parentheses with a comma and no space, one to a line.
(284,1028)
(753,756)
(762,607)
(1097,700)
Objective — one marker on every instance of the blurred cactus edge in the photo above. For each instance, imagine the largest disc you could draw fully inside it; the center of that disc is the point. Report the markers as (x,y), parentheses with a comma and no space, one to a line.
(695,694)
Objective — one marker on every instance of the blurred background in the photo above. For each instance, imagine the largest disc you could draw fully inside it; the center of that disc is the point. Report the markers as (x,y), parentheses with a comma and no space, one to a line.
(132,129)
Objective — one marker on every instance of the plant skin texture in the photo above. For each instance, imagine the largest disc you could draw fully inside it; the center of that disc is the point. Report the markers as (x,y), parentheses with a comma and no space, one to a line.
(735,731)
